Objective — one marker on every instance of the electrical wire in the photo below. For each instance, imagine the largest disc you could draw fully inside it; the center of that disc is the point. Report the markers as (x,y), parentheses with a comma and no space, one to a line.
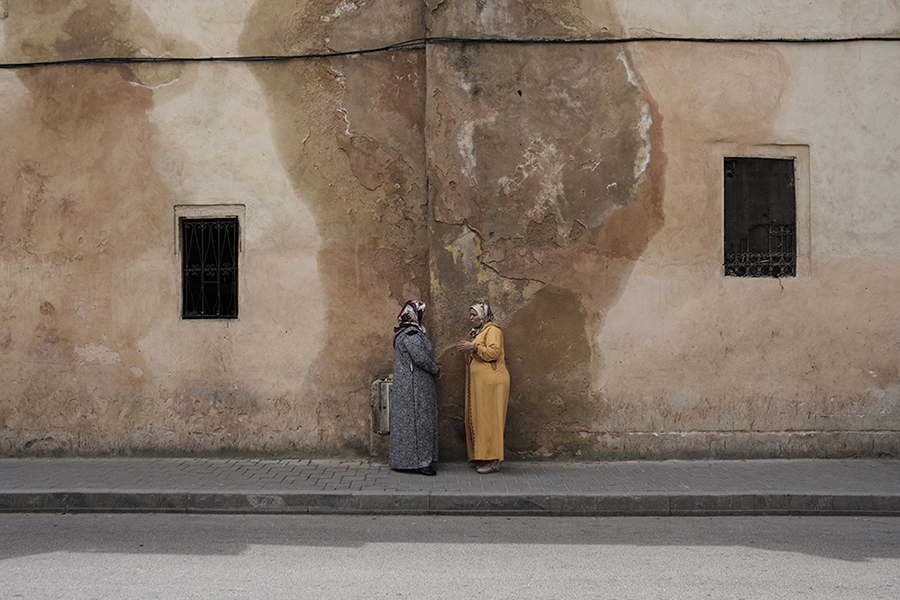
(421,43)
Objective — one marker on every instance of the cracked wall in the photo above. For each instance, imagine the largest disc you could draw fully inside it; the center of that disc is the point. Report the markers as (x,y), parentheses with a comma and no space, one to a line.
(576,186)
(539,162)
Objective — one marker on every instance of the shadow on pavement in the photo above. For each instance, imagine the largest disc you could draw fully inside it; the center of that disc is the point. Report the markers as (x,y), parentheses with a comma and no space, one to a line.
(839,538)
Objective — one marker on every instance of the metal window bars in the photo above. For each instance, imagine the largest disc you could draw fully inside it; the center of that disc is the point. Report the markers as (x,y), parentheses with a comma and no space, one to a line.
(769,250)
(209,268)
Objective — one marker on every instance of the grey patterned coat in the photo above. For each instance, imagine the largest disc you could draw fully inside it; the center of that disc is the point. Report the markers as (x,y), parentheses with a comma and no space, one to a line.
(414,437)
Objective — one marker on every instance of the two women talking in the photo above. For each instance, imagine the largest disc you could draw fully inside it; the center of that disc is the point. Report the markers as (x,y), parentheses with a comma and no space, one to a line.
(414,439)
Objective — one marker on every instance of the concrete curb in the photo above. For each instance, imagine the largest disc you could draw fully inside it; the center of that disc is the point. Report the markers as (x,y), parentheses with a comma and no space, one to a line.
(451,503)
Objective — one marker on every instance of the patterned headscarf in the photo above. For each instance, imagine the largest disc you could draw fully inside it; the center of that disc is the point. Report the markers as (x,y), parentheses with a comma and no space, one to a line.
(412,314)
(484,313)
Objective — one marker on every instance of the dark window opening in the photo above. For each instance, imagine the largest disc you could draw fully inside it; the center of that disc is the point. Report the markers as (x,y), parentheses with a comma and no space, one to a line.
(209,268)
(760,217)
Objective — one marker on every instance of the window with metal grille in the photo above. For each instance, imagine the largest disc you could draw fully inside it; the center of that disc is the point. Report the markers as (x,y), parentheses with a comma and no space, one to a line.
(209,268)
(760,217)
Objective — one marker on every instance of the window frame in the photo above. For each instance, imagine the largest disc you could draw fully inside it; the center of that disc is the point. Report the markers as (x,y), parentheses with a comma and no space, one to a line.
(209,212)
(802,230)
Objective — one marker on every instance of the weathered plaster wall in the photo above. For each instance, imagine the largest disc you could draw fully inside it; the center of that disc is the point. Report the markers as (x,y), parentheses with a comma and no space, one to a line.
(592,220)
(705,19)
(729,366)
(349,135)
(96,157)
(575,186)
(759,19)
(546,180)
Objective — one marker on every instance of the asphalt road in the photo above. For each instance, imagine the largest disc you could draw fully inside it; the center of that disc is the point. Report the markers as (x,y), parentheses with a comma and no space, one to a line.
(175,557)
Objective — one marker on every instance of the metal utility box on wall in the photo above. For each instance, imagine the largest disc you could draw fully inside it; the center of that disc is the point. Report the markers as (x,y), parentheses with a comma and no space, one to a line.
(381,396)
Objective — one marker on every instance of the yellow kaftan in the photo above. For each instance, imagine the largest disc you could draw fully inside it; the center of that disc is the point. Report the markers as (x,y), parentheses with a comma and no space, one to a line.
(487,395)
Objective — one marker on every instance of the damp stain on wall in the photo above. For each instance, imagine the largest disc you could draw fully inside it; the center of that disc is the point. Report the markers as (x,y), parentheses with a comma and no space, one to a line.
(546,173)
(525,155)
(484,165)
(84,212)
(83,147)
(349,131)
(534,19)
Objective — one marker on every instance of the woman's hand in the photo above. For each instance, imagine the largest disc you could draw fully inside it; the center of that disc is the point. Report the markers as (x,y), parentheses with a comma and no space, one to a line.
(465,346)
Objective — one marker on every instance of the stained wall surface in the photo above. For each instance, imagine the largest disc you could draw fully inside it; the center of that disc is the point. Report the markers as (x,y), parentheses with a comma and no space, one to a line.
(574,184)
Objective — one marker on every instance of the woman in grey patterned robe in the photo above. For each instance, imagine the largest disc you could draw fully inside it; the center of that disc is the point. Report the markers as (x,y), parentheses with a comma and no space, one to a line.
(414,437)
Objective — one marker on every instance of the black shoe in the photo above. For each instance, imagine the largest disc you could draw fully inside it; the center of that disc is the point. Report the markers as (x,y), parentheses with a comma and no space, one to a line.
(430,472)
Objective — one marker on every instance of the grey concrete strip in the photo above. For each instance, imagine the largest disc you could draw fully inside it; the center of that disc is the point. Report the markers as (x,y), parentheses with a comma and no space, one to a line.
(369,503)
(729,504)
(491,504)
(766,487)
(614,505)
(32,502)
(247,503)
(845,504)
(125,501)
(453,504)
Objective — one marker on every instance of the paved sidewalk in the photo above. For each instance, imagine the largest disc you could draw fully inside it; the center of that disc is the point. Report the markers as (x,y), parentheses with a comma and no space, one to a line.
(668,488)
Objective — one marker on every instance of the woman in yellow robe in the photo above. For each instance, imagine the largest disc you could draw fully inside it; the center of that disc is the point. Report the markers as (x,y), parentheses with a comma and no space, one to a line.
(487,389)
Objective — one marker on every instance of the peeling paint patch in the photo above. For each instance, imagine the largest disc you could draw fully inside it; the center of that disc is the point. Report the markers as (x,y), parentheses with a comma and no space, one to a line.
(345,114)
(342,9)
(466,144)
(158,86)
(145,52)
(632,78)
(81,311)
(643,156)
(454,250)
(98,353)
(539,178)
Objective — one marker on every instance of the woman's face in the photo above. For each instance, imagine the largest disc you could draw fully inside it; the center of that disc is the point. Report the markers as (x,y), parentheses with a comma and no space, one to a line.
(473,318)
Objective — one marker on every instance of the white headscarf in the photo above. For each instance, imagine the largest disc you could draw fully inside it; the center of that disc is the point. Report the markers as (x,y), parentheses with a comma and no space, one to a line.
(484,313)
